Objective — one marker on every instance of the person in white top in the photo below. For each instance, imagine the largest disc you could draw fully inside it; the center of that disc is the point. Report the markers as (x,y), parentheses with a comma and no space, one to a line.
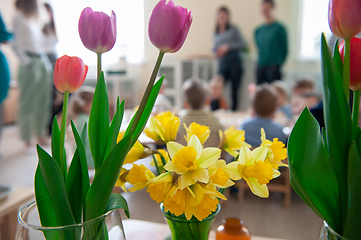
(34,74)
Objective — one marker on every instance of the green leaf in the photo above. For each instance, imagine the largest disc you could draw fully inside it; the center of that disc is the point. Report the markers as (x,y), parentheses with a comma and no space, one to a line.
(99,123)
(55,143)
(55,186)
(115,126)
(353,217)
(311,173)
(337,115)
(147,111)
(117,201)
(337,59)
(74,187)
(105,179)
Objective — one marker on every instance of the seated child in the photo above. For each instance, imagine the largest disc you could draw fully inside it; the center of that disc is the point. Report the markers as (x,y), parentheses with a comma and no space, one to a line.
(302,85)
(282,104)
(217,100)
(264,104)
(80,106)
(195,95)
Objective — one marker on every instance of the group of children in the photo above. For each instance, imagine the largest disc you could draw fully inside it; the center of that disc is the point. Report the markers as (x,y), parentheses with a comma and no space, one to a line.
(266,101)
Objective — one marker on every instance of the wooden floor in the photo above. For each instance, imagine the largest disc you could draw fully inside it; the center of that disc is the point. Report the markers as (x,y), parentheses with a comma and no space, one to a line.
(263,217)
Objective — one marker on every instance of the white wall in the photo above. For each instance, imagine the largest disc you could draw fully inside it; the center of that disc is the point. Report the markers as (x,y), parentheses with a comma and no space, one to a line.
(245,13)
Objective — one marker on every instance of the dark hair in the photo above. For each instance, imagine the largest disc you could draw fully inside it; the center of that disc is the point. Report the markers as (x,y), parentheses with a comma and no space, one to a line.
(270,2)
(27,7)
(49,28)
(85,98)
(223,9)
(265,100)
(304,84)
(195,93)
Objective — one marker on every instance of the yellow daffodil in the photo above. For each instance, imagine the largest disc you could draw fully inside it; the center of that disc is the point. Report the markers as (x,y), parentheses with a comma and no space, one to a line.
(254,169)
(150,131)
(232,140)
(197,200)
(140,177)
(276,150)
(167,125)
(137,152)
(158,159)
(122,179)
(201,131)
(160,186)
(191,161)
(218,176)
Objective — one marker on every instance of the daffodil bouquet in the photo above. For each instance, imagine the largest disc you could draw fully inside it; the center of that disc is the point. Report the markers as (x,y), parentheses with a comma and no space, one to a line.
(64,196)
(325,165)
(191,179)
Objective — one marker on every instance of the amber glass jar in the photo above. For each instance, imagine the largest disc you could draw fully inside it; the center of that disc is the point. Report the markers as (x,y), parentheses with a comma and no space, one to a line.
(232,229)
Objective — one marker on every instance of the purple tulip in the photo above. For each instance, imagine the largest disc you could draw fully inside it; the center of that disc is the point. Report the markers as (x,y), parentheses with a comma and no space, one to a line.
(97,30)
(169,26)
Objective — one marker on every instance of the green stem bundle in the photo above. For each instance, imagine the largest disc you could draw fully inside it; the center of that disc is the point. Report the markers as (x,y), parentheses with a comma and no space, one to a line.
(355,113)
(346,68)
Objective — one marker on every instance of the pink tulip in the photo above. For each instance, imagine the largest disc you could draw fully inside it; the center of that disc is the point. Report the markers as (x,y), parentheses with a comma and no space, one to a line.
(355,59)
(169,26)
(344,18)
(97,30)
(69,73)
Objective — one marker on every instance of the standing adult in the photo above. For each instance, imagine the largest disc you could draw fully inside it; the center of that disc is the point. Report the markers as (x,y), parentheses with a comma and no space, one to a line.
(271,40)
(228,42)
(5,36)
(34,74)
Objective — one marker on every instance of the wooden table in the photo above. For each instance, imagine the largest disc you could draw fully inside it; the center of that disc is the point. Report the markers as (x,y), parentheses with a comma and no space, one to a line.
(9,209)
(143,230)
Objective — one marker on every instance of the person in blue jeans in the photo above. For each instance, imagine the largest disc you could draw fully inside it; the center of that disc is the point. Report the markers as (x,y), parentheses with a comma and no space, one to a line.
(228,42)
(5,36)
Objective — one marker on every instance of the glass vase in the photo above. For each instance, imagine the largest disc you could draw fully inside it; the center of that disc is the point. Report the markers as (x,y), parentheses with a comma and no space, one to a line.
(327,233)
(192,229)
(105,227)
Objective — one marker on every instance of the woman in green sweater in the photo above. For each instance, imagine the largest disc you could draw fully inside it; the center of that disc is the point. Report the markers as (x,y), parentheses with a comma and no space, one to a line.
(271,41)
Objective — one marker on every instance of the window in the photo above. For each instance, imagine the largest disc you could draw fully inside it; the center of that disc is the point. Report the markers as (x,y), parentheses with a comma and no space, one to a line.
(314,21)
(130,29)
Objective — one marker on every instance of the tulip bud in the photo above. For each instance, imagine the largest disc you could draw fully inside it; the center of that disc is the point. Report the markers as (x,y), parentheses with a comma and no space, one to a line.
(344,18)
(69,73)
(355,59)
(169,26)
(97,30)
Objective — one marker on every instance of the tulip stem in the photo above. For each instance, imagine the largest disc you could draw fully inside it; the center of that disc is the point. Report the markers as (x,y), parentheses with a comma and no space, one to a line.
(147,92)
(355,113)
(346,68)
(64,117)
(99,64)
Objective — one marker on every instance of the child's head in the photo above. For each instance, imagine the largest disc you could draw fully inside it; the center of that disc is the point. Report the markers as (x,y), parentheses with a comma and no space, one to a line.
(216,85)
(282,92)
(308,99)
(82,100)
(303,85)
(195,93)
(264,102)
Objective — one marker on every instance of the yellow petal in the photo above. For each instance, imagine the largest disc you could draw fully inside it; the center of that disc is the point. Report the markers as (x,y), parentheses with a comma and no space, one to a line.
(173,168)
(232,170)
(208,157)
(256,188)
(201,174)
(185,180)
(245,156)
(198,192)
(196,144)
(259,154)
(173,148)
